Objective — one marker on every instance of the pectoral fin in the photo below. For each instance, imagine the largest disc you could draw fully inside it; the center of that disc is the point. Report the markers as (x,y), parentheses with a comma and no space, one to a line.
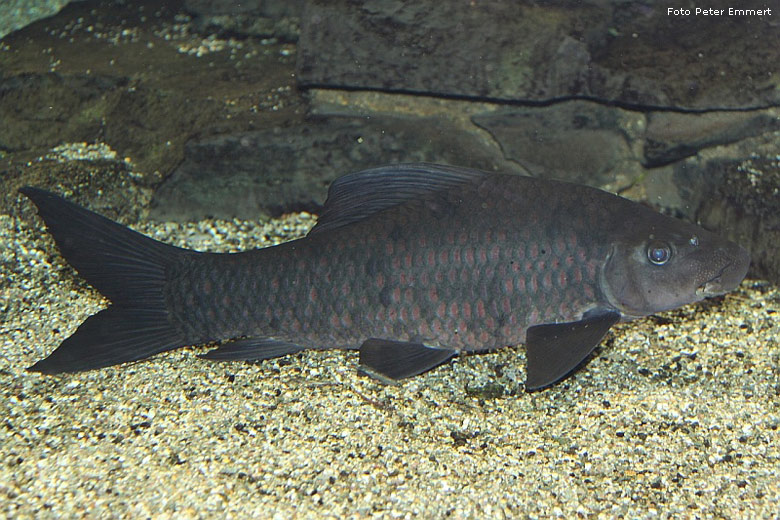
(252,349)
(393,360)
(554,351)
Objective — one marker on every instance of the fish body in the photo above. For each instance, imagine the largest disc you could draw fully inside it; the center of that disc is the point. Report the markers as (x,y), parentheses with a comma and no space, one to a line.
(411,264)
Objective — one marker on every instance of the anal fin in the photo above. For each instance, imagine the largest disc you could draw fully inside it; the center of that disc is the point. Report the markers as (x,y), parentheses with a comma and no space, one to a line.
(252,349)
(393,360)
(553,351)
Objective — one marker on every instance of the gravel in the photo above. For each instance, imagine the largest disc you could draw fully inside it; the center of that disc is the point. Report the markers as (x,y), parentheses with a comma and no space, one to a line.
(677,416)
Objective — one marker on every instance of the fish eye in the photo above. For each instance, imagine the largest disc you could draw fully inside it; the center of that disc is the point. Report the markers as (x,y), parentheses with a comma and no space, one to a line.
(659,253)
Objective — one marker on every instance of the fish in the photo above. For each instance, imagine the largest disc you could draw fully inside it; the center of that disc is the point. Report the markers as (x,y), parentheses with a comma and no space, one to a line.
(410,264)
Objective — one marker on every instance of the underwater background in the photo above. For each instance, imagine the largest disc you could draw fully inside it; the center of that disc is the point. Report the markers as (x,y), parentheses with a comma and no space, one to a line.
(219,126)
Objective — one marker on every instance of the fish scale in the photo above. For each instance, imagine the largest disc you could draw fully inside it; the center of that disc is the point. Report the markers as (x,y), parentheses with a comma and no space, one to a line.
(420,283)
(411,264)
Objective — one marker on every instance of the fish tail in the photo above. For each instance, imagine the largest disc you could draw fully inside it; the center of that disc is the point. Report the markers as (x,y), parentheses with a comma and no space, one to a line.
(126,267)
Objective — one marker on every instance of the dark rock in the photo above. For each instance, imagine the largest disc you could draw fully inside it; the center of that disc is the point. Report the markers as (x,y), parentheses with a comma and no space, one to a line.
(287,169)
(260,18)
(151,125)
(745,207)
(285,29)
(576,141)
(733,191)
(141,97)
(684,186)
(626,52)
(105,185)
(267,8)
(40,111)
(674,136)
(43,110)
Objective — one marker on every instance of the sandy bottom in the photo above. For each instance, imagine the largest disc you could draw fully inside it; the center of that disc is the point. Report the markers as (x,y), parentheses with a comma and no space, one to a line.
(677,416)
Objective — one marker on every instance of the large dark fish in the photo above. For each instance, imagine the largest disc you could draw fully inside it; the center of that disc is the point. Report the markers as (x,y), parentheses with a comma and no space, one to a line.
(411,264)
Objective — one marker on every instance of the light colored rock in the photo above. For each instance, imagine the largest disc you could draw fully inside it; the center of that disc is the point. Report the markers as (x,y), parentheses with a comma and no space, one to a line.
(15,14)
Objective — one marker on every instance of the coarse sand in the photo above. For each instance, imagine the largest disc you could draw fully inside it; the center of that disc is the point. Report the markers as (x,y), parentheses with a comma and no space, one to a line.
(676,416)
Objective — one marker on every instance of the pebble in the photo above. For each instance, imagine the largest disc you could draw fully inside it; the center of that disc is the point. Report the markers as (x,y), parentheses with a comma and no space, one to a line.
(672,419)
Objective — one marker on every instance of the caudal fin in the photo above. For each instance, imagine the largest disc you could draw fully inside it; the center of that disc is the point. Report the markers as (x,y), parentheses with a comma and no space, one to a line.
(125,266)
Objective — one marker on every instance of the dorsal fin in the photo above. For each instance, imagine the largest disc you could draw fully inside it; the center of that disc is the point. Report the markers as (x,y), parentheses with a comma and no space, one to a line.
(358,196)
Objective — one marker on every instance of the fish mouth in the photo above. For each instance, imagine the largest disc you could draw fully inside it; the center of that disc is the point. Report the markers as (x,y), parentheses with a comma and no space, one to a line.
(714,286)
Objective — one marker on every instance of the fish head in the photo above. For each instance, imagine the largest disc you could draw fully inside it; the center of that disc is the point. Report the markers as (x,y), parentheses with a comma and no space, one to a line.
(661,263)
